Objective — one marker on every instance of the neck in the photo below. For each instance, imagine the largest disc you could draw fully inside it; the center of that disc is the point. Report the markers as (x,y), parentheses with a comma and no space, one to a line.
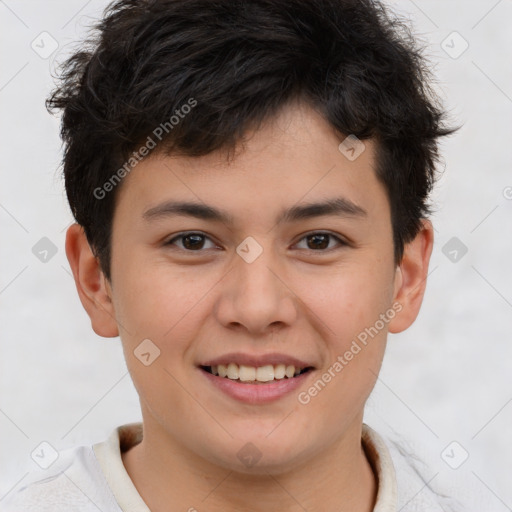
(340,478)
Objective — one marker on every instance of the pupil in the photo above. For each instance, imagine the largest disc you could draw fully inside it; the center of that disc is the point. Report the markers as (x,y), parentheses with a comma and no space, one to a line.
(322,239)
(197,239)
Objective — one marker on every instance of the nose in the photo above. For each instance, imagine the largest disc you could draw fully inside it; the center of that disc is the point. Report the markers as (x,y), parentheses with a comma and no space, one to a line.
(256,297)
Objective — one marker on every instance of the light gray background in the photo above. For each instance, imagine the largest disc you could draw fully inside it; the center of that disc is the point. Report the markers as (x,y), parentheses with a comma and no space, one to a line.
(447,378)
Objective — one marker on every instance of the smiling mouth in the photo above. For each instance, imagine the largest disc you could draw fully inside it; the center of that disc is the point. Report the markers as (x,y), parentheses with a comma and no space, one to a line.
(256,375)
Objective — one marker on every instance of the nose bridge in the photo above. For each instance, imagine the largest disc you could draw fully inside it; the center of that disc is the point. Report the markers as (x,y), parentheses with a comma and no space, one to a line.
(256,277)
(256,297)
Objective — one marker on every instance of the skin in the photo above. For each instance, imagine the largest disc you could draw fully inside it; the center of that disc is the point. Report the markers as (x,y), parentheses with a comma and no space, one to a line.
(293,299)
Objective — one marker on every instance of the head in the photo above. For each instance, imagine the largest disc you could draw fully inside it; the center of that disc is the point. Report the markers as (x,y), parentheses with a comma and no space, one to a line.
(241,107)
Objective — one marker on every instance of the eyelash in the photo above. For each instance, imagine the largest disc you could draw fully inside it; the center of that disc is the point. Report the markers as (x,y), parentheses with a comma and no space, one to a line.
(341,242)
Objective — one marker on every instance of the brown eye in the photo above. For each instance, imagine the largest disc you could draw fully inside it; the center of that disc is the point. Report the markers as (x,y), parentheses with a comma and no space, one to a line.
(321,241)
(318,241)
(192,242)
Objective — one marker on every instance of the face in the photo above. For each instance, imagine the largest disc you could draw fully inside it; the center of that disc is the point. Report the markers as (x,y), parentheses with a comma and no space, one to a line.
(254,276)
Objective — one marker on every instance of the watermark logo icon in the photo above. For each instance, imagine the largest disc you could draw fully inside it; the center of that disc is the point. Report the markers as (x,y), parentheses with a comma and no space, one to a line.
(44,250)
(147,352)
(249,249)
(249,455)
(454,249)
(351,147)
(44,45)
(455,455)
(44,455)
(454,45)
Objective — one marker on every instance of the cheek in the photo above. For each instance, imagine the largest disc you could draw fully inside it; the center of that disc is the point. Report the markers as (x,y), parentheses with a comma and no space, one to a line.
(348,301)
(350,307)
(153,305)
(156,301)
(354,351)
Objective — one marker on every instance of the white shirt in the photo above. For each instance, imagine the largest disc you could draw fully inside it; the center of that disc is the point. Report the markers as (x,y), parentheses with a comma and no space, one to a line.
(93,478)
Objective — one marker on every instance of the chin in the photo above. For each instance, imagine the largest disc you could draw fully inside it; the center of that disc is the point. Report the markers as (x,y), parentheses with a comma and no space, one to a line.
(262,456)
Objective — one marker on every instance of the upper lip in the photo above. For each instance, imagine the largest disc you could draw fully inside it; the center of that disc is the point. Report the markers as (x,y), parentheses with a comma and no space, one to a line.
(256,360)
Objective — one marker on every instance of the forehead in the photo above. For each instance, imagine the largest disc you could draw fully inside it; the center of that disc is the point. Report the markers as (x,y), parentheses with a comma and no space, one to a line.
(294,158)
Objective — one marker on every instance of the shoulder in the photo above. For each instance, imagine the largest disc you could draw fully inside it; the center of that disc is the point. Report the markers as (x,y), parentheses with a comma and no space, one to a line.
(74,482)
(419,477)
(416,483)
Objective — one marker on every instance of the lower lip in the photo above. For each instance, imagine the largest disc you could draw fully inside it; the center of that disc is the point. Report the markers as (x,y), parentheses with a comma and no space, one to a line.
(256,393)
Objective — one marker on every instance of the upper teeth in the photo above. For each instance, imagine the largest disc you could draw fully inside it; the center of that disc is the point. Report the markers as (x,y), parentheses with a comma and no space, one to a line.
(251,373)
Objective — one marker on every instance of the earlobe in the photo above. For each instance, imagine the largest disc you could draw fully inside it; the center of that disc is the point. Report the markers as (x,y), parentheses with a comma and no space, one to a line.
(92,286)
(411,278)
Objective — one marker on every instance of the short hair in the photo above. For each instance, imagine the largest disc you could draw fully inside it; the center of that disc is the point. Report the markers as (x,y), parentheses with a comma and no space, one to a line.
(241,61)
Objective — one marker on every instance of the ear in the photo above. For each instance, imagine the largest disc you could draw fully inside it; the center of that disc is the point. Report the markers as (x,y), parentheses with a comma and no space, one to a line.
(411,278)
(92,286)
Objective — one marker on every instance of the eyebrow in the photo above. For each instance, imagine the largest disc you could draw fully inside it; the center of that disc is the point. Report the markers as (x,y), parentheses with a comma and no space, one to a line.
(338,206)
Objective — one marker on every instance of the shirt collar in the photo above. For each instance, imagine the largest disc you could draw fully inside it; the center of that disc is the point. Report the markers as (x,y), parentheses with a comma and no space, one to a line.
(108,454)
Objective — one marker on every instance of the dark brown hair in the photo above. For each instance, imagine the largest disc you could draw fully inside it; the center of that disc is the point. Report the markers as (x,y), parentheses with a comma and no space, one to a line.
(241,61)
